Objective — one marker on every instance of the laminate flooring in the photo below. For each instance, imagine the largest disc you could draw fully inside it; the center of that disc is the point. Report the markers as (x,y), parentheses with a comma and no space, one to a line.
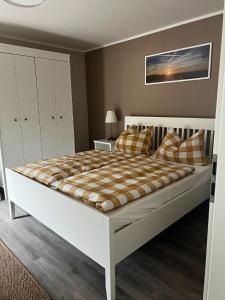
(169,267)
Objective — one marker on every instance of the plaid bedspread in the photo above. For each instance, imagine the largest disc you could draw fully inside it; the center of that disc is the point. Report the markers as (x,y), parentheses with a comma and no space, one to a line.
(51,170)
(119,183)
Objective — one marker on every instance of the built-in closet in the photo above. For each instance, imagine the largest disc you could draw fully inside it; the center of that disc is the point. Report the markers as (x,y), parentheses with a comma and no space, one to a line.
(36,115)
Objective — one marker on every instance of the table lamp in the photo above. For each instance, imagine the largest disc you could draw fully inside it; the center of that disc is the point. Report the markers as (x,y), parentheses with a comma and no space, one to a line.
(110,119)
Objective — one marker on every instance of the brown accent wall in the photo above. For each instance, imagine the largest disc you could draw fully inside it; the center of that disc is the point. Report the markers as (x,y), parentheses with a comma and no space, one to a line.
(78,80)
(115,78)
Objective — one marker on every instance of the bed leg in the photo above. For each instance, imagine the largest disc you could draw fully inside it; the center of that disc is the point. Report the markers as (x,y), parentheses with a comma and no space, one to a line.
(110,283)
(110,268)
(12,212)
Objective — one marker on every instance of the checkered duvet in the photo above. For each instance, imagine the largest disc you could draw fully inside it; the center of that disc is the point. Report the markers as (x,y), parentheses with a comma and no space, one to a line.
(51,170)
(116,184)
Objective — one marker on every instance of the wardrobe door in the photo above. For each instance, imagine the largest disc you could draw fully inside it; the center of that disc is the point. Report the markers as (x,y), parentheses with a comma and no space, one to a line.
(64,109)
(47,109)
(27,92)
(11,138)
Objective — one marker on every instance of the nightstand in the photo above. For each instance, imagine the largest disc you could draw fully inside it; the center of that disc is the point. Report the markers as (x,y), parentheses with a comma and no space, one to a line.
(104,144)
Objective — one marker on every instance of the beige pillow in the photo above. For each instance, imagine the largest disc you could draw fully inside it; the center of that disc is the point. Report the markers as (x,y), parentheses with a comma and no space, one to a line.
(190,151)
(133,141)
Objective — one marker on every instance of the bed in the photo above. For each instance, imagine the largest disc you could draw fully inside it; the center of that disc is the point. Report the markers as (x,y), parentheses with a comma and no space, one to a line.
(103,234)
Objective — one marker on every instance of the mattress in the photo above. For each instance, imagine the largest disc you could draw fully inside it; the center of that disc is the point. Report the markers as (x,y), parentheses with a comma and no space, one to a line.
(136,210)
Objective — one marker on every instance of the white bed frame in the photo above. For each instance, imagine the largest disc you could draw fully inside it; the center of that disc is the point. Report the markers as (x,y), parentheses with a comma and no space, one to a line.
(92,231)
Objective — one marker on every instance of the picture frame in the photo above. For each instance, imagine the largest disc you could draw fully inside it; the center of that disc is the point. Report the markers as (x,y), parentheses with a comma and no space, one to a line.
(183,64)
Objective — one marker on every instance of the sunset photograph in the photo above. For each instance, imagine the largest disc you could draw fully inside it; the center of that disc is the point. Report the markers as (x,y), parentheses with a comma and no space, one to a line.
(183,64)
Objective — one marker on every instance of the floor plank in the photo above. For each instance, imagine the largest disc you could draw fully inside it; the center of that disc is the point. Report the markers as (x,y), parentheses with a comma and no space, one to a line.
(170,267)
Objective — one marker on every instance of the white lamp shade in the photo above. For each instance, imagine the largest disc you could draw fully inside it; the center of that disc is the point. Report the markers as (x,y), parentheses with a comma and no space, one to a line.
(110,117)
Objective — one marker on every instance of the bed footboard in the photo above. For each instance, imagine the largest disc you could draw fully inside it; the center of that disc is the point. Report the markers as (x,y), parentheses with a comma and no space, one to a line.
(79,224)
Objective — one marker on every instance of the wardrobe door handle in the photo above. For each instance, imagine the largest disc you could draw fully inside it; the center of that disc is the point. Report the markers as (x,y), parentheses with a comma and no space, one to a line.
(25,119)
(15,119)
(61,117)
(53,117)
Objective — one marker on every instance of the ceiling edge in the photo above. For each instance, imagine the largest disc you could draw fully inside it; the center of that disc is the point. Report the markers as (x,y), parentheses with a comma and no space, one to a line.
(158,30)
(119,41)
(41,43)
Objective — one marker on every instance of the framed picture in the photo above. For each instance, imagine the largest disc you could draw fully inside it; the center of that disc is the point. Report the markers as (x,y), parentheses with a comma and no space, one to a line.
(191,63)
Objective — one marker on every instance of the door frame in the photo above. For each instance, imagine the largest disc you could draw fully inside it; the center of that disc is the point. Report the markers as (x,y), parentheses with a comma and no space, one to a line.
(213,284)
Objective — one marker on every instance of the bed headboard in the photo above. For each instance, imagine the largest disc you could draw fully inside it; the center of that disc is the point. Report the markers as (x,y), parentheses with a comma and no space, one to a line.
(185,127)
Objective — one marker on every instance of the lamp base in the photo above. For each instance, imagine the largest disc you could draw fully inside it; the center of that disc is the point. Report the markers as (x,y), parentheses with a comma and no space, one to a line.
(111,139)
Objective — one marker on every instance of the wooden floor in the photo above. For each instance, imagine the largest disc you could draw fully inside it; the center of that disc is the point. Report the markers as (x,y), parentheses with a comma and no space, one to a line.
(170,267)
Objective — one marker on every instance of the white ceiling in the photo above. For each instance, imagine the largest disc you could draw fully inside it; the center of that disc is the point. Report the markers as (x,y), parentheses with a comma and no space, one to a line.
(86,24)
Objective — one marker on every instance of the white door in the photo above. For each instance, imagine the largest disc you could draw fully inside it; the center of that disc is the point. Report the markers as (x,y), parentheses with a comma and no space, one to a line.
(64,109)
(28,104)
(10,129)
(215,262)
(47,109)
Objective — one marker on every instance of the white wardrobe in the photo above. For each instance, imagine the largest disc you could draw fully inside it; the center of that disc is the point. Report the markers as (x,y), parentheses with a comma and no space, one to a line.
(36,113)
